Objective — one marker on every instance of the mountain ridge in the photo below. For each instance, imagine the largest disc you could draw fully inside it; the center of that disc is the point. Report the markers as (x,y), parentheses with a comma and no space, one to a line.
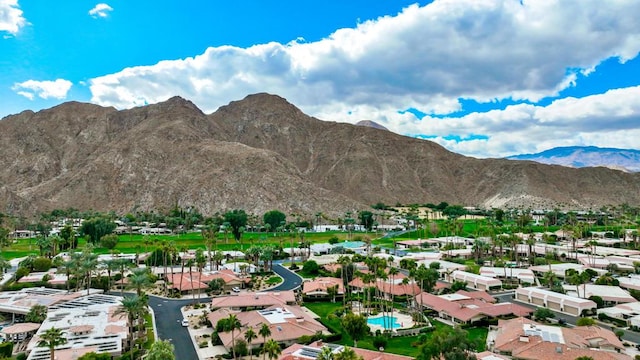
(586,156)
(258,154)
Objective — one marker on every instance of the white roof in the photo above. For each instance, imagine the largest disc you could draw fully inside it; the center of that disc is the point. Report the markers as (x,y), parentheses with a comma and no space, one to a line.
(547,333)
(551,295)
(277,315)
(106,331)
(475,279)
(607,293)
(522,274)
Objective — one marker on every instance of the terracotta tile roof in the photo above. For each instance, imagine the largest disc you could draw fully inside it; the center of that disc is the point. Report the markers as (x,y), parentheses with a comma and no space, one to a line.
(573,342)
(467,306)
(321,285)
(262,299)
(290,353)
(387,287)
(284,329)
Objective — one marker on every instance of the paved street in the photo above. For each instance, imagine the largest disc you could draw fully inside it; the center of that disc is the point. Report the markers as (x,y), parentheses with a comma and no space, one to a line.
(168,317)
(291,281)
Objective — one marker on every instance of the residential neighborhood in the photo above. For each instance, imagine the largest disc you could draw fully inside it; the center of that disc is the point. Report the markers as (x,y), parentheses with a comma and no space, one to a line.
(333,293)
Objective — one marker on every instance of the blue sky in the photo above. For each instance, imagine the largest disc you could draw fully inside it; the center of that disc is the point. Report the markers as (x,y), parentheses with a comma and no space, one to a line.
(485,78)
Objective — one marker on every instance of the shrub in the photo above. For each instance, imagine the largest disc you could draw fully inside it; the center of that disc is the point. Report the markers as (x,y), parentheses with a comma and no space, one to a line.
(6,348)
(41,264)
(21,356)
(241,347)
(310,267)
(109,241)
(379,342)
(22,272)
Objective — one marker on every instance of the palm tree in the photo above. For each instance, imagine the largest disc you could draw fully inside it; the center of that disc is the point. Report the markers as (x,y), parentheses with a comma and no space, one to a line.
(393,271)
(133,307)
(264,331)
(51,338)
(271,349)
(233,324)
(325,354)
(347,354)
(250,335)
(201,261)
(139,280)
(183,250)
(161,350)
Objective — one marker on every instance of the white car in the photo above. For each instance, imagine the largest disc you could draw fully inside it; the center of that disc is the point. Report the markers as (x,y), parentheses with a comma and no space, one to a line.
(185,322)
(236,289)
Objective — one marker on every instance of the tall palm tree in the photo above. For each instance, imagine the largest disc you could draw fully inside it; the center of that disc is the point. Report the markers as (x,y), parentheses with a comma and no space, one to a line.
(201,261)
(271,349)
(264,331)
(250,335)
(140,280)
(133,307)
(51,338)
(183,250)
(393,271)
(232,325)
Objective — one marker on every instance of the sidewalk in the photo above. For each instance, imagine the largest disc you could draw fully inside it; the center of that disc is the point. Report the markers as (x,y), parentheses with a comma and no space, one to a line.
(207,353)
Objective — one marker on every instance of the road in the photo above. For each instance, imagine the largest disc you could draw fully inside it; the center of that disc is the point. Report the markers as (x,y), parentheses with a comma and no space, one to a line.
(570,319)
(167,317)
(291,281)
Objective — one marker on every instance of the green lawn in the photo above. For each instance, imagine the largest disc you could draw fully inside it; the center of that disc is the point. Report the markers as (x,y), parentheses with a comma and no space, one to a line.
(402,345)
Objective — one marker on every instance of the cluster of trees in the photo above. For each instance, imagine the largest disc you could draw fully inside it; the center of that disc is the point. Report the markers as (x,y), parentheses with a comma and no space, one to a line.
(240,347)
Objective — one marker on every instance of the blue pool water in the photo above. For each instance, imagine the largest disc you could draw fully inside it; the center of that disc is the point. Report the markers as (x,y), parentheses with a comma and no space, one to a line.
(380,321)
(351,244)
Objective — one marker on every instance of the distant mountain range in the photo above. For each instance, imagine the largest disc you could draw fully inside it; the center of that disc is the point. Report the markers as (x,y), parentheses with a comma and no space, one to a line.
(372,124)
(258,154)
(587,156)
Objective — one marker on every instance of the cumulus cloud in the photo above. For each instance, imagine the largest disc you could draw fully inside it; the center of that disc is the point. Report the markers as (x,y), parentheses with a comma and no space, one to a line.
(611,119)
(57,89)
(426,58)
(11,19)
(101,10)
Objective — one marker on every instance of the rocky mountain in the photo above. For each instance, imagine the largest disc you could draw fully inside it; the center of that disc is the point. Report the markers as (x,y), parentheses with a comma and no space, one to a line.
(258,154)
(587,156)
(372,124)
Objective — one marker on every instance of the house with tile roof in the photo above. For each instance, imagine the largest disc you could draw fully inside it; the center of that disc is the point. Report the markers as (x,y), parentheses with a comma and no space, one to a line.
(467,307)
(311,352)
(319,287)
(522,338)
(257,300)
(287,324)
(195,282)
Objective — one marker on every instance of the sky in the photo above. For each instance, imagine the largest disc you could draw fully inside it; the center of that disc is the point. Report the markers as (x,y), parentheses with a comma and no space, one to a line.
(483,78)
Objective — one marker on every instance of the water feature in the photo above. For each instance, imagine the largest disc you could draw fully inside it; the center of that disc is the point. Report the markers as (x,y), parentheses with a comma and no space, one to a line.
(392,322)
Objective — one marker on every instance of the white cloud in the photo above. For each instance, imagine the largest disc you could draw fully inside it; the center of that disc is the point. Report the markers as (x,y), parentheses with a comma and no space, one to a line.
(611,119)
(424,58)
(57,89)
(101,10)
(11,19)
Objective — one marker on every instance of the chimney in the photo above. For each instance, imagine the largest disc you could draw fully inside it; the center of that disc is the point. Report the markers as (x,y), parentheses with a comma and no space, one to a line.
(559,349)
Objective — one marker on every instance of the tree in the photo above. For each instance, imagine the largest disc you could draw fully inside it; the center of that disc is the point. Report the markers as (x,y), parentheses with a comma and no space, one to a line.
(161,350)
(366,219)
(95,228)
(37,314)
(134,308)
(542,314)
(264,331)
(356,326)
(250,335)
(140,280)
(274,218)
(310,267)
(347,354)
(232,324)
(51,338)
(585,321)
(109,241)
(4,238)
(237,219)
(447,343)
(271,349)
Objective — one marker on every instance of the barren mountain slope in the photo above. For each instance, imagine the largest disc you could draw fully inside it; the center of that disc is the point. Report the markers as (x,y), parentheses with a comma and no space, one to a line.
(257,154)
(372,165)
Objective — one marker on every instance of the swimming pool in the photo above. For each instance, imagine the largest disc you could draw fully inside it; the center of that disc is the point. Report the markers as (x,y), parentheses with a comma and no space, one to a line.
(391,322)
(351,244)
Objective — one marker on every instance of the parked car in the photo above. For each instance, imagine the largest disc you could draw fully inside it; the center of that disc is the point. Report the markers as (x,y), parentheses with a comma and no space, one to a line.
(236,289)
(185,322)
